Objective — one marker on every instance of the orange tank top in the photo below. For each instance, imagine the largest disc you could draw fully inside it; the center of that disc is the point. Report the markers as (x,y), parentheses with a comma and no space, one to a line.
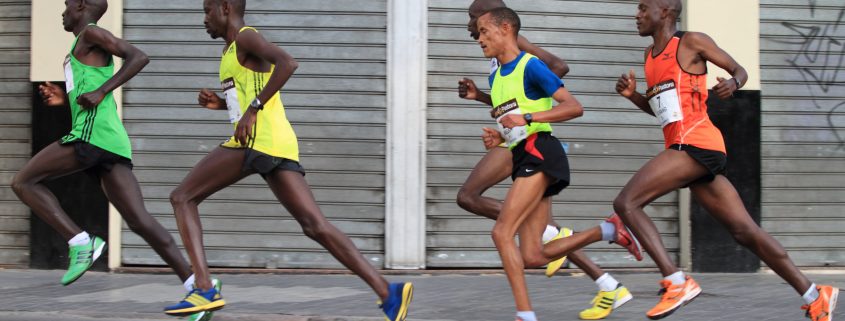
(678,100)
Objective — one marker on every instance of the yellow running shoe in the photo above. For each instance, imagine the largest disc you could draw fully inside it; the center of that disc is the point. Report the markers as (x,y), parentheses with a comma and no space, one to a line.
(605,302)
(554,266)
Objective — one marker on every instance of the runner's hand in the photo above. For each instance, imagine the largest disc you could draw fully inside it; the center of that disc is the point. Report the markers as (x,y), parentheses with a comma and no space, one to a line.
(491,138)
(210,100)
(243,133)
(627,84)
(91,99)
(513,120)
(467,89)
(725,88)
(51,94)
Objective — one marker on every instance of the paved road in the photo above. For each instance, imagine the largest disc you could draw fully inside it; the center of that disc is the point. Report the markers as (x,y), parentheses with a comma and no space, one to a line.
(35,295)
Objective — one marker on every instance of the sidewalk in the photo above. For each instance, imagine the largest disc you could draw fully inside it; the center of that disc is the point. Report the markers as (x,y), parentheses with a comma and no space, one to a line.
(35,295)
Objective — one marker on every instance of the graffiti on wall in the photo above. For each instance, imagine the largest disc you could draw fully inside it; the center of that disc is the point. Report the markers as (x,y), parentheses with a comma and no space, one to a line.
(820,58)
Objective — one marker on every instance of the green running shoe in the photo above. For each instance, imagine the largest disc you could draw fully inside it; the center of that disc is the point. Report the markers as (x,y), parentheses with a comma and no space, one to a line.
(81,258)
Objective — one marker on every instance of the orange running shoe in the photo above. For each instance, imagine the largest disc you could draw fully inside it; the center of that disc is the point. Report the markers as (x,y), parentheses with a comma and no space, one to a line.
(673,298)
(625,238)
(822,308)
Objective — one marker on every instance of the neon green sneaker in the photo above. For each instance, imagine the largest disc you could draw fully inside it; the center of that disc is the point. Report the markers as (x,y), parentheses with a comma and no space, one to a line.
(206,315)
(81,258)
(554,266)
(605,302)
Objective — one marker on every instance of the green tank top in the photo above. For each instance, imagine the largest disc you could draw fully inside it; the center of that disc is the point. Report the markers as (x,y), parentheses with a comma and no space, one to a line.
(508,96)
(98,126)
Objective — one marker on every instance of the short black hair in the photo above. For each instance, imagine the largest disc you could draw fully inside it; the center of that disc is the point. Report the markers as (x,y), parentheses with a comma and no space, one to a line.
(504,15)
(239,6)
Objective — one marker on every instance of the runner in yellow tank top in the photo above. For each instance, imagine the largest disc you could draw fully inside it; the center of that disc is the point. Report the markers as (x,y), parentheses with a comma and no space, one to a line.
(252,71)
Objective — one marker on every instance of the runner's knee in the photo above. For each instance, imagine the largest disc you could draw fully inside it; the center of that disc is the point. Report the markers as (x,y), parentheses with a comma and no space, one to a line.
(179,197)
(622,205)
(467,199)
(501,235)
(19,185)
(316,229)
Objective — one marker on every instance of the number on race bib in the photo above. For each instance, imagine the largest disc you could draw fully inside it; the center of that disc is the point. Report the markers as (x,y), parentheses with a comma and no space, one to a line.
(68,75)
(512,135)
(665,102)
(232,102)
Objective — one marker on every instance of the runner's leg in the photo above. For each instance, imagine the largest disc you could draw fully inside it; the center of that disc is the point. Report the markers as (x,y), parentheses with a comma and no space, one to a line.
(219,169)
(53,161)
(294,193)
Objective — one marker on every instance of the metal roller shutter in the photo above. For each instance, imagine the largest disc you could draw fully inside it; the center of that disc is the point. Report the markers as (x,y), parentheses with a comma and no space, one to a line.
(15,129)
(599,41)
(336,102)
(802,57)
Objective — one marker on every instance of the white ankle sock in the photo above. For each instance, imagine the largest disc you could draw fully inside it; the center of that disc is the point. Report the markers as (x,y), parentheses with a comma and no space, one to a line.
(811,295)
(80,239)
(189,283)
(526,315)
(676,278)
(607,283)
(550,233)
(608,231)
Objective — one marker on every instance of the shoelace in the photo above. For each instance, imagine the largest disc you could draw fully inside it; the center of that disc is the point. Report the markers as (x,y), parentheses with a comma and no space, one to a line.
(808,315)
(83,257)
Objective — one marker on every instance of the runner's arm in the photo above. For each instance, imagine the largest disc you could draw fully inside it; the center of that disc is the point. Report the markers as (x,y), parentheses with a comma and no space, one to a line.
(627,87)
(133,58)
(253,43)
(555,63)
(703,45)
(567,108)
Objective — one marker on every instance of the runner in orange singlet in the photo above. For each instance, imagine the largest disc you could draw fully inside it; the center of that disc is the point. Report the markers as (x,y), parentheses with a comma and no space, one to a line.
(695,156)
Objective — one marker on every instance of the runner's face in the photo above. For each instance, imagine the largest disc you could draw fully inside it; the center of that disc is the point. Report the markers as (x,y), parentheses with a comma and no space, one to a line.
(648,17)
(214,21)
(70,16)
(472,26)
(491,38)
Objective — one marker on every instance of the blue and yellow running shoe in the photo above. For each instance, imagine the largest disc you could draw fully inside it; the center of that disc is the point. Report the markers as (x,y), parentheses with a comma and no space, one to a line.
(206,315)
(196,301)
(81,258)
(395,307)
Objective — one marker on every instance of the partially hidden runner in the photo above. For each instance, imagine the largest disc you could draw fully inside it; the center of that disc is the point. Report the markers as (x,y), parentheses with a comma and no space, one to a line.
(695,156)
(522,90)
(496,166)
(97,144)
(252,71)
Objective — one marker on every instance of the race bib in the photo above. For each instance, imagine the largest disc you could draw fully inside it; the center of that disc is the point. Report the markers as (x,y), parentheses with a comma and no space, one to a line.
(512,135)
(664,102)
(68,74)
(494,65)
(232,102)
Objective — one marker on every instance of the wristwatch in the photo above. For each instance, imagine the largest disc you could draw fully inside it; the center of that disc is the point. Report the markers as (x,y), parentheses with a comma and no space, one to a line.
(256,104)
(738,84)
(528,118)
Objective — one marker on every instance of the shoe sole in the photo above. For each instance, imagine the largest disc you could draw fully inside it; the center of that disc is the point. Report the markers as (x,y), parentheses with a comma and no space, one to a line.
(689,297)
(97,253)
(555,265)
(213,306)
(622,301)
(636,243)
(407,297)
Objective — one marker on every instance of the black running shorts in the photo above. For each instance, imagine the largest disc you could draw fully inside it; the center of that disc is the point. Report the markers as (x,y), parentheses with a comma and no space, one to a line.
(96,159)
(265,164)
(542,152)
(714,161)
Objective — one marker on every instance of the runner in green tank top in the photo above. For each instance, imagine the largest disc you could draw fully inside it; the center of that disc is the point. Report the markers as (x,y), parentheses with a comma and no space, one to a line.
(97,143)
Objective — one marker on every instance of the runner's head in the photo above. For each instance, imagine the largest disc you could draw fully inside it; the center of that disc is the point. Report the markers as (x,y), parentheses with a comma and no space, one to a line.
(498,29)
(82,12)
(478,8)
(652,15)
(218,14)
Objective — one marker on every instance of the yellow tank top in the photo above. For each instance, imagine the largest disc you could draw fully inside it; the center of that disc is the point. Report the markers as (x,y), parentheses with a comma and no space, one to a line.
(272,133)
